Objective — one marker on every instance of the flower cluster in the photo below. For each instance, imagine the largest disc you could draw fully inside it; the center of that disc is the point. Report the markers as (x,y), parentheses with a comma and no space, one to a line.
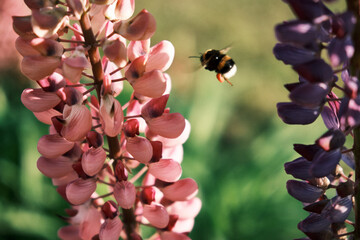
(318,45)
(138,173)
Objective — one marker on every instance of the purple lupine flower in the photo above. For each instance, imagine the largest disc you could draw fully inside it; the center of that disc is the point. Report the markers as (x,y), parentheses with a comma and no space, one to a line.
(318,45)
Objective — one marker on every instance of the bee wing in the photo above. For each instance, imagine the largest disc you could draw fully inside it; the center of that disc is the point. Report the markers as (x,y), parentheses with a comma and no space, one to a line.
(225,50)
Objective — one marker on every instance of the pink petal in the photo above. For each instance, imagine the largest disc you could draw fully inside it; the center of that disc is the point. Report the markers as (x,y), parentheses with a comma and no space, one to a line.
(38,67)
(111,115)
(111,229)
(93,160)
(166,170)
(151,84)
(72,73)
(77,7)
(141,27)
(22,26)
(37,100)
(125,194)
(183,225)
(53,146)
(156,215)
(133,109)
(160,57)
(169,125)
(115,51)
(120,10)
(24,48)
(52,83)
(185,209)
(182,190)
(176,153)
(69,232)
(47,47)
(167,235)
(140,148)
(45,117)
(154,108)
(116,87)
(48,20)
(171,142)
(136,69)
(80,190)
(77,122)
(54,167)
(90,225)
(71,176)
(136,49)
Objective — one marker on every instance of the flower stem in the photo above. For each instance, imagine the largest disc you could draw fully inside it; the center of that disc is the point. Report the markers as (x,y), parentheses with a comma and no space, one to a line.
(353,5)
(113,142)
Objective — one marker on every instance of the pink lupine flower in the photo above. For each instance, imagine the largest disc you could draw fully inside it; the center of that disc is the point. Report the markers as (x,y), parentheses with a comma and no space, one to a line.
(169,125)
(173,236)
(80,190)
(147,141)
(125,194)
(120,9)
(166,170)
(37,100)
(115,50)
(55,167)
(93,160)
(156,214)
(111,115)
(181,190)
(53,146)
(74,65)
(48,20)
(111,229)
(77,122)
(140,27)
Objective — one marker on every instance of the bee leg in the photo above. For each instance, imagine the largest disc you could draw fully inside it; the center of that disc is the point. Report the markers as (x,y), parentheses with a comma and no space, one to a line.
(228,81)
(220,77)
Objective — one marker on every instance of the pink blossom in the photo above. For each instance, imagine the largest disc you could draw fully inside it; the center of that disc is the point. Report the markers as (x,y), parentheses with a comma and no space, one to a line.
(134,159)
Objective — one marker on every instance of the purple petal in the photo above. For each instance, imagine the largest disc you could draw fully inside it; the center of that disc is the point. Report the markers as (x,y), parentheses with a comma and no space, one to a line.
(331,121)
(297,31)
(292,55)
(343,24)
(292,113)
(348,158)
(310,95)
(340,50)
(324,163)
(303,191)
(307,151)
(332,139)
(350,112)
(299,168)
(308,9)
(315,71)
(340,210)
(314,223)
(318,207)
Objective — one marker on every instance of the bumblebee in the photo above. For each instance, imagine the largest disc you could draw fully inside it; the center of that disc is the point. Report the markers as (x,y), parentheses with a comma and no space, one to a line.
(218,61)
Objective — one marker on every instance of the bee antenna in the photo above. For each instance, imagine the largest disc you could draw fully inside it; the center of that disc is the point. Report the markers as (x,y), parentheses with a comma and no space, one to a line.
(194,57)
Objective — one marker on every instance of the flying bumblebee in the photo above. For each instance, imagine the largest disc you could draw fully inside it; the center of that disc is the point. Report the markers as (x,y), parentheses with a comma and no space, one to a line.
(218,61)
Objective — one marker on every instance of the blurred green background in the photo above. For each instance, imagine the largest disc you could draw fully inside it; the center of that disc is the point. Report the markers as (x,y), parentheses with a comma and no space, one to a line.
(237,146)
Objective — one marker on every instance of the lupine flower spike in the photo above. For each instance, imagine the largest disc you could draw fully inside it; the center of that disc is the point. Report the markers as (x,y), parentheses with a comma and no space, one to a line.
(323,48)
(134,150)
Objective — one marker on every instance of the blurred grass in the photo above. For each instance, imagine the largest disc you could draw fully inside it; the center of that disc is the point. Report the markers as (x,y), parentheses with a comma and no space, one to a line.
(237,146)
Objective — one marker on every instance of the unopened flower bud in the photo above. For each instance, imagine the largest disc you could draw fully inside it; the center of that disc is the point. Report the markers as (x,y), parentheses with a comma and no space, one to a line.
(147,195)
(345,188)
(110,209)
